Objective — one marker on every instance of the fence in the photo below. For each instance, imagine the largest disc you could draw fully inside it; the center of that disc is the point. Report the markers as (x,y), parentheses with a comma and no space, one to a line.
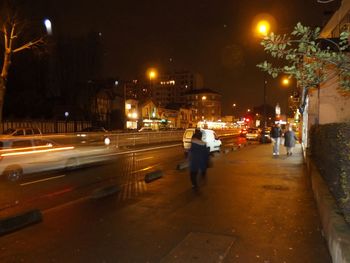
(47,126)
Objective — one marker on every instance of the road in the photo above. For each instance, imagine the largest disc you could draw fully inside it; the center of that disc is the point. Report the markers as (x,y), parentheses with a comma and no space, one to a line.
(126,170)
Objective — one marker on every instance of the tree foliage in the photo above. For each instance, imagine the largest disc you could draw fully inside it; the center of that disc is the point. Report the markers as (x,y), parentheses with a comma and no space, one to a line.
(307,58)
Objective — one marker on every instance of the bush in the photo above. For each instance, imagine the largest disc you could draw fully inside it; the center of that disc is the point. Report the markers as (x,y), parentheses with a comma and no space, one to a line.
(330,149)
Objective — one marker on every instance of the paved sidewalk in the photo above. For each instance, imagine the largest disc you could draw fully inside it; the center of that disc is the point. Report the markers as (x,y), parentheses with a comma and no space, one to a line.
(263,203)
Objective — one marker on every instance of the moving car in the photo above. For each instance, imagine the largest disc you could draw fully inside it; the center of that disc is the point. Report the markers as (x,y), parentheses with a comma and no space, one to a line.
(252,134)
(26,155)
(208,136)
(94,135)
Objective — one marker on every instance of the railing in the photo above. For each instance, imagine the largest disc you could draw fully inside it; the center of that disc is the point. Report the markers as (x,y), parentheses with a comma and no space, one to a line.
(127,139)
(47,126)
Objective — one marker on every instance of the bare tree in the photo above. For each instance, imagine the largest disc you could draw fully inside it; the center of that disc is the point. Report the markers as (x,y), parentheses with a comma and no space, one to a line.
(12,29)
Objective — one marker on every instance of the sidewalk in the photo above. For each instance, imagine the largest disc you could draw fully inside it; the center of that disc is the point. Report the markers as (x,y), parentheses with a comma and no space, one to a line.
(253,208)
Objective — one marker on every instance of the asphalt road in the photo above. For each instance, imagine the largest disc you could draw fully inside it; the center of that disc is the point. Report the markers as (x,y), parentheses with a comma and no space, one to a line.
(126,169)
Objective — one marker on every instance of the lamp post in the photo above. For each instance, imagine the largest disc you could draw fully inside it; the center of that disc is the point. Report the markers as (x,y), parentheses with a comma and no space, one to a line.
(263,28)
(48,26)
(234,105)
(152,74)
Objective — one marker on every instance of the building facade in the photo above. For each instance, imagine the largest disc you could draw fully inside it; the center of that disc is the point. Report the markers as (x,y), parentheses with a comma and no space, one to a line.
(207,103)
(326,104)
(172,87)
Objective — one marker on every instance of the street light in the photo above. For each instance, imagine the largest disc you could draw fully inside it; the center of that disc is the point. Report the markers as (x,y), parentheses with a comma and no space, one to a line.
(152,74)
(48,26)
(263,28)
(285,81)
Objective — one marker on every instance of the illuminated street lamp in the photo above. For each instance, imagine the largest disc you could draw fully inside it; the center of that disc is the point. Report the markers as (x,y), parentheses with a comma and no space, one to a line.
(48,26)
(152,74)
(263,28)
(285,81)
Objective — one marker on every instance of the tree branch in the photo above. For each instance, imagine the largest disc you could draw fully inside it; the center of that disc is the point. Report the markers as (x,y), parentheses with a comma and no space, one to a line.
(29,45)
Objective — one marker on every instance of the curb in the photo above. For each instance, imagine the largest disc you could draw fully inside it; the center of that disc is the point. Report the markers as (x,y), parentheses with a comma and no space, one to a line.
(105,191)
(11,224)
(152,176)
(336,230)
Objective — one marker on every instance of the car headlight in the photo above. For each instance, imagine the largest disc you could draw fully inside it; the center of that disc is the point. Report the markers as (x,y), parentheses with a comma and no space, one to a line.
(107,141)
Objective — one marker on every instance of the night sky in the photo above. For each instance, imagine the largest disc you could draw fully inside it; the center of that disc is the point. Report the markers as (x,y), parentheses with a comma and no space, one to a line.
(213,38)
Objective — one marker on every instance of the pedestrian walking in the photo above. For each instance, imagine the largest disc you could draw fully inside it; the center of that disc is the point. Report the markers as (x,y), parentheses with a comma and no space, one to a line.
(198,157)
(289,140)
(276,134)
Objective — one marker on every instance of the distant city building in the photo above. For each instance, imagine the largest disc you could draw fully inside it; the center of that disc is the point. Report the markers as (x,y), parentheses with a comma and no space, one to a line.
(131,113)
(172,87)
(207,102)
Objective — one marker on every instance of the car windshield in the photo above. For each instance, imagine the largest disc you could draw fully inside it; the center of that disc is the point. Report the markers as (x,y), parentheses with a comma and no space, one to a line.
(252,131)
(189,134)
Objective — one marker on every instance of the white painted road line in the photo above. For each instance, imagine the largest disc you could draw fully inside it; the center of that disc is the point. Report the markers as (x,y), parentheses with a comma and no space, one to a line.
(43,180)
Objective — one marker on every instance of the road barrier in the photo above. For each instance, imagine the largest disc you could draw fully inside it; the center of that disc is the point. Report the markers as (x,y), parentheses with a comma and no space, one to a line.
(105,191)
(13,223)
(149,177)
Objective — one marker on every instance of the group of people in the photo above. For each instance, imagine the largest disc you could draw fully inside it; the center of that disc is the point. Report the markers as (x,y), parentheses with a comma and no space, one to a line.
(289,139)
(199,152)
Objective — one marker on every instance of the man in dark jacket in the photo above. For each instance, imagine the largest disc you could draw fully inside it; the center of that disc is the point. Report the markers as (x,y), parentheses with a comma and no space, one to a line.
(198,157)
(276,134)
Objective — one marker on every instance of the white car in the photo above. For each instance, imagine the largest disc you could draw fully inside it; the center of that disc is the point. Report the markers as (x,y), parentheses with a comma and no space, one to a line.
(27,155)
(252,134)
(208,136)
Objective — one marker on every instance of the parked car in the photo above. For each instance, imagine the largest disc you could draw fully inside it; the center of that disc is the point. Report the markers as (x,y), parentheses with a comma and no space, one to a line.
(243,132)
(27,131)
(265,135)
(20,156)
(208,136)
(94,135)
(252,134)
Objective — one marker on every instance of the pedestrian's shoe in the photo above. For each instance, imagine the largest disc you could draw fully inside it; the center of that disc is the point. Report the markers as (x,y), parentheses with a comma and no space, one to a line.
(273,153)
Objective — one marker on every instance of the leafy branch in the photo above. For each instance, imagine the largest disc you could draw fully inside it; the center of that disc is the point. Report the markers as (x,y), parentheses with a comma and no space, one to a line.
(307,58)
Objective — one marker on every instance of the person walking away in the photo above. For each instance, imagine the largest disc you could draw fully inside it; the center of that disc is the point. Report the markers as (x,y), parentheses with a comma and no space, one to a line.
(276,134)
(289,140)
(198,157)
